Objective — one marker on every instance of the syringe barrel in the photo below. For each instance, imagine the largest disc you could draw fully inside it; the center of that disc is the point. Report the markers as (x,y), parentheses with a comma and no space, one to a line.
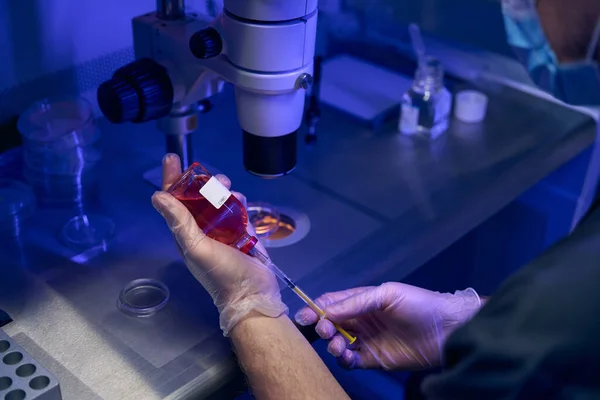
(266,261)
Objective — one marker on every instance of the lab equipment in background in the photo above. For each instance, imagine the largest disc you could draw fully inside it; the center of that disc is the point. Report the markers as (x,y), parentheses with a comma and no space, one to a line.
(84,230)
(213,7)
(22,377)
(143,297)
(265,49)
(470,106)
(61,154)
(17,203)
(425,107)
(293,226)
(60,149)
(418,45)
(4,319)
(313,111)
(367,92)
(264,218)
(222,217)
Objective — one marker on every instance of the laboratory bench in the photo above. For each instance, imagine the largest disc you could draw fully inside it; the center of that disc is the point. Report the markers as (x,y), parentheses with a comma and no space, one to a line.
(376,206)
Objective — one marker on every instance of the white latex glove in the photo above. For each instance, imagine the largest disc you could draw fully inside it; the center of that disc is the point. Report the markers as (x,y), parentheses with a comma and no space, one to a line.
(398,326)
(238,284)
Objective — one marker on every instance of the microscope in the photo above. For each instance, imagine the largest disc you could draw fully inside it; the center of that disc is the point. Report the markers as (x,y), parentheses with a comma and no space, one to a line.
(265,48)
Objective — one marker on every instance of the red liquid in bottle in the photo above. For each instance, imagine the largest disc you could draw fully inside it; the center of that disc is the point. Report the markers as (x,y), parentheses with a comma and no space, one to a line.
(227,224)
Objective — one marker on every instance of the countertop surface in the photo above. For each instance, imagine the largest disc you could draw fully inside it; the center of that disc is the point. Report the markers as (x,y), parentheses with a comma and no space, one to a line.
(379,205)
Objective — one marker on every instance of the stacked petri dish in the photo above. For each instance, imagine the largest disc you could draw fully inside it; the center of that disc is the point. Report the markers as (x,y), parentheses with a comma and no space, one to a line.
(17,203)
(61,154)
(60,149)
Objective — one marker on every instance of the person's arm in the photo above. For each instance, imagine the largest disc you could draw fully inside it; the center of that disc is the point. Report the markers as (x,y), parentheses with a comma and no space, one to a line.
(399,326)
(536,338)
(279,363)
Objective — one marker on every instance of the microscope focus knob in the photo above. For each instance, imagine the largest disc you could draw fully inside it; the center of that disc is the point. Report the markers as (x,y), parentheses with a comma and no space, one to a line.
(206,43)
(138,92)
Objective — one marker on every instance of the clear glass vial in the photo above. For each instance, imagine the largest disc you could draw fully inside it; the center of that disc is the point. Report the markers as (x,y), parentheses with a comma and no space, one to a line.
(425,107)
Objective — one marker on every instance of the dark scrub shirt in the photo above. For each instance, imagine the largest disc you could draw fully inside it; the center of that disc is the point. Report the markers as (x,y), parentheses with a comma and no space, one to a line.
(539,335)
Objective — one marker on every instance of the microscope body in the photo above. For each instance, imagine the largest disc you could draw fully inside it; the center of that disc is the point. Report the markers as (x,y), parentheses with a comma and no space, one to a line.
(265,48)
(166,42)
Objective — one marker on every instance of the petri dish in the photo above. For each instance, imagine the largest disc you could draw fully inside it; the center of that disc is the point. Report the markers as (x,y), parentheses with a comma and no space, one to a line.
(58,124)
(87,230)
(264,218)
(143,297)
(17,203)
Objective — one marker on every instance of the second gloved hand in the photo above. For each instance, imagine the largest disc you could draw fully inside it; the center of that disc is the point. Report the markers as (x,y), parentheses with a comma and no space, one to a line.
(398,326)
(238,284)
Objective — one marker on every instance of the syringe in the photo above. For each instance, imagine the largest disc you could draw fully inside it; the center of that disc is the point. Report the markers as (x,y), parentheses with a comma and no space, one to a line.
(266,261)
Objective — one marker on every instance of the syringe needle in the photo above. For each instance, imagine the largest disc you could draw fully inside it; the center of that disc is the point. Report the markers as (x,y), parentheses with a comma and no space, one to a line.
(299,292)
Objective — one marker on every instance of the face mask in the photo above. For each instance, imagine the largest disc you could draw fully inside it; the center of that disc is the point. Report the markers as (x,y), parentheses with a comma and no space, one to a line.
(577,83)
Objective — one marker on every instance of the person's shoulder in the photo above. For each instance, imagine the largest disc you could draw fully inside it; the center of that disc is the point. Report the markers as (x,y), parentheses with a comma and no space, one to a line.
(537,334)
(554,295)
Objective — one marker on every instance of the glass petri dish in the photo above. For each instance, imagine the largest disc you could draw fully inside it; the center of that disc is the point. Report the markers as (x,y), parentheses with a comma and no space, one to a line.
(17,203)
(264,218)
(60,136)
(143,297)
(87,230)
(62,191)
(58,124)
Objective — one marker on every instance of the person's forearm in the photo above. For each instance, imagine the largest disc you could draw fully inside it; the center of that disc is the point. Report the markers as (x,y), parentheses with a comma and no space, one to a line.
(280,363)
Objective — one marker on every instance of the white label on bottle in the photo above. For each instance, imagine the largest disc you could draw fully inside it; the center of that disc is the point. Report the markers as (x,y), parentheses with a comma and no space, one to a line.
(409,119)
(215,192)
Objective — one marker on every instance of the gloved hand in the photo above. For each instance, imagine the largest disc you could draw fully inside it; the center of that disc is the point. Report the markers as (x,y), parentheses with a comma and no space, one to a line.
(238,284)
(398,326)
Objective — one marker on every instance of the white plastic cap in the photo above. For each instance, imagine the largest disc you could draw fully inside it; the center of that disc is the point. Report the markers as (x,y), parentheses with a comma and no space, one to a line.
(470,106)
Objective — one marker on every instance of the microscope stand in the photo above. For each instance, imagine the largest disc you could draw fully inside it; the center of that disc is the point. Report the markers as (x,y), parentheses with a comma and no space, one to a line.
(178,128)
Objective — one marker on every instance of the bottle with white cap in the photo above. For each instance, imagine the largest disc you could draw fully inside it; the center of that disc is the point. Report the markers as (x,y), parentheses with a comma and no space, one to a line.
(425,107)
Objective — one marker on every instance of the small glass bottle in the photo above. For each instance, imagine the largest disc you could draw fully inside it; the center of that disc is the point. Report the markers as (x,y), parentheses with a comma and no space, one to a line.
(425,107)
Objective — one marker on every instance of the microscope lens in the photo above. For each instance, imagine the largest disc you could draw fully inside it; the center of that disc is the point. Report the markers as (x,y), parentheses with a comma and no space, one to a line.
(270,157)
